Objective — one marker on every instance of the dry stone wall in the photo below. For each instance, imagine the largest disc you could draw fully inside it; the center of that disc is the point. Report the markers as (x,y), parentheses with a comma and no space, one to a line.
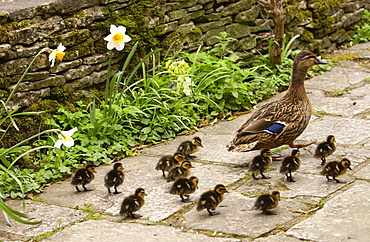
(28,26)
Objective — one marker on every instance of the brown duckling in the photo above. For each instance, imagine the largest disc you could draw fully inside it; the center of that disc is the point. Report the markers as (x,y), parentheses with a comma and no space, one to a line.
(336,168)
(114,178)
(279,122)
(211,199)
(326,148)
(265,202)
(260,163)
(190,147)
(290,164)
(133,203)
(84,176)
(182,171)
(168,161)
(184,187)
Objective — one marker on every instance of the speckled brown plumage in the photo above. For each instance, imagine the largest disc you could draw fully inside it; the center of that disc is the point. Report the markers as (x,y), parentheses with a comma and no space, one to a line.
(168,161)
(280,122)
(335,169)
(83,176)
(325,149)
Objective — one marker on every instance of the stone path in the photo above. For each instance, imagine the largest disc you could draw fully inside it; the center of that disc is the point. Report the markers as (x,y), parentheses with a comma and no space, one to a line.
(310,209)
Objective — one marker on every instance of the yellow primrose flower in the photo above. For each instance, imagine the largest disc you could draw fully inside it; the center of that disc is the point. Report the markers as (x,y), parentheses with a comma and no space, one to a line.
(65,138)
(117,38)
(57,53)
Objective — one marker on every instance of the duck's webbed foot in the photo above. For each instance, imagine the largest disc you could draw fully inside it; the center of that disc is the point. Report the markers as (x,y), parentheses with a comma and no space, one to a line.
(301,145)
(212,213)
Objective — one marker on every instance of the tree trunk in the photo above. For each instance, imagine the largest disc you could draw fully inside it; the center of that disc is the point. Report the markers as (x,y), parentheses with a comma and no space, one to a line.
(276,10)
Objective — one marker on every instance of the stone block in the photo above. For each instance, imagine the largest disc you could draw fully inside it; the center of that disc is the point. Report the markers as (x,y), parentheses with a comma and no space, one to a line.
(53,81)
(81,71)
(235,8)
(214,25)
(28,35)
(170,27)
(62,66)
(186,28)
(238,30)
(247,16)
(192,16)
(177,14)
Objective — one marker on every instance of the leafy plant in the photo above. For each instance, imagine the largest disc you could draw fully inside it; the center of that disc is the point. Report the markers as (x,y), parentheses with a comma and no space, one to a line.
(363,32)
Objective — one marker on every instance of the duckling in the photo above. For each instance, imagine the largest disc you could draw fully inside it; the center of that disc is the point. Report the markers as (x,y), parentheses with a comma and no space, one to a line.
(184,187)
(260,163)
(279,122)
(114,178)
(326,148)
(83,176)
(190,147)
(168,161)
(211,199)
(265,202)
(182,171)
(336,168)
(133,203)
(290,164)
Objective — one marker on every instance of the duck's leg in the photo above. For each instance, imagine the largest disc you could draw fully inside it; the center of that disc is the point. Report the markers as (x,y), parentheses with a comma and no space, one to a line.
(164,175)
(86,189)
(268,212)
(183,199)
(264,177)
(134,215)
(291,177)
(327,177)
(254,176)
(212,213)
(109,191)
(277,157)
(297,146)
(337,181)
(115,190)
(323,160)
(78,189)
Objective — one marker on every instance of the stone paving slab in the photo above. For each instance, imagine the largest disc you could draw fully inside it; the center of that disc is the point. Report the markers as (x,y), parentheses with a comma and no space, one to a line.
(139,172)
(342,76)
(97,231)
(278,238)
(343,218)
(347,117)
(237,217)
(53,217)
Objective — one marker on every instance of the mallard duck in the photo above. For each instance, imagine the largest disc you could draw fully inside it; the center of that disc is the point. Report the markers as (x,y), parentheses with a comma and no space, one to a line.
(326,148)
(279,122)
(181,171)
(184,187)
(260,163)
(83,176)
(265,202)
(114,178)
(133,203)
(211,199)
(290,164)
(190,147)
(168,161)
(336,168)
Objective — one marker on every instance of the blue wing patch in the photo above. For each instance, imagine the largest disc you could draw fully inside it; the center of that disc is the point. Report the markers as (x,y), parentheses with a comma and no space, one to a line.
(275,128)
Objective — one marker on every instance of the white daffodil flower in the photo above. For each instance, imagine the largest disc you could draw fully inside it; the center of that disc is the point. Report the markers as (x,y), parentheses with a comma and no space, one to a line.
(117,38)
(65,138)
(57,53)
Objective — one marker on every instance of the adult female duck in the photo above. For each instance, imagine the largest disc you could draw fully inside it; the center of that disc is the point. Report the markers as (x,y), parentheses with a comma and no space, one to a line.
(280,122)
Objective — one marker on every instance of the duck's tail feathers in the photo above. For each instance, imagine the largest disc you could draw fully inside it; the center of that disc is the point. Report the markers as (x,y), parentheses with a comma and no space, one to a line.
(241,147)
